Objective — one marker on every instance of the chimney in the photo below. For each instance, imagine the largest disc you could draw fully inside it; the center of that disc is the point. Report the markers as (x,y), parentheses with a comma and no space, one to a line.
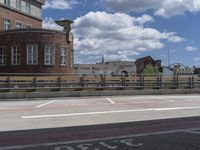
(67,27)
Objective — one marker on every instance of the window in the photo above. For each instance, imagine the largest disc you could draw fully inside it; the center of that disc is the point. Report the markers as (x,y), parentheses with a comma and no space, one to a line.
(63,55)
(15,55)
(18,4)
(27,26)
(28,7)
(7,24)
(72,58)
(32,54)
(19,25)
(2,55)
(7,2)
(49,55)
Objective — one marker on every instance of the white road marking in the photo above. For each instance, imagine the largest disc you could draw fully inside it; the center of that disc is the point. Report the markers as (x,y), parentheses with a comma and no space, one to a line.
(107,112)
(3,108)
(46,104)
(192,131)
(92,140)
(75,105)
(164,98)
(110,100)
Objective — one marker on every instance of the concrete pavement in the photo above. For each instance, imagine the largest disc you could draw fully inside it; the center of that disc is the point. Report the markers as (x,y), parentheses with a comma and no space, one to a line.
(64,112)
(101,123)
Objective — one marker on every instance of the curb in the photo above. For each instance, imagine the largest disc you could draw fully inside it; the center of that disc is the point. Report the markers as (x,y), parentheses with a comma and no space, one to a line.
(10,95)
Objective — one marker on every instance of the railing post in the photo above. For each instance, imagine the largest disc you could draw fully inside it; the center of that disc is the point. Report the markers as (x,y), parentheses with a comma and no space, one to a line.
(193,82)
(177,82)
(34,82)
(123,81)
(103,77)
(59,82)
(83,81)
(8,82)
(142,81)
(160,82)
(124,78)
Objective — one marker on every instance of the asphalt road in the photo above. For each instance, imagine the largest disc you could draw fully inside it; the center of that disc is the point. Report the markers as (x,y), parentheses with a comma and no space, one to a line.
(101,123)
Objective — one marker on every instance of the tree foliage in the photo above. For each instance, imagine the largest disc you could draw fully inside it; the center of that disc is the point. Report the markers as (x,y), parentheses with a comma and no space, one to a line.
(151,70)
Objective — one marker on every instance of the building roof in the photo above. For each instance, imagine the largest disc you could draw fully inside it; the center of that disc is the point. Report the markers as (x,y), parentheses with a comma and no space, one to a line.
(31,30)
(41,1)
(144,58)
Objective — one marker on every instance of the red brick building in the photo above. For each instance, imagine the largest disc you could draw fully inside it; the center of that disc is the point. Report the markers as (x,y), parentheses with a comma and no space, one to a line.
(16,14)
(27,48)
(141,63)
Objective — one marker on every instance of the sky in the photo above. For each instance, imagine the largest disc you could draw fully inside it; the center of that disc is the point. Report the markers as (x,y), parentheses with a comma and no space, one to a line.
(124,30)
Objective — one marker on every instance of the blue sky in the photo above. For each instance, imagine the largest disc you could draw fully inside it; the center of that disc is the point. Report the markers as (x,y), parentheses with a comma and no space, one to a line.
(130,29)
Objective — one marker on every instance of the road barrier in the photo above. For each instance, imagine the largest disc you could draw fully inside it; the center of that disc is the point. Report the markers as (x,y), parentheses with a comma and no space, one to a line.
(58,82)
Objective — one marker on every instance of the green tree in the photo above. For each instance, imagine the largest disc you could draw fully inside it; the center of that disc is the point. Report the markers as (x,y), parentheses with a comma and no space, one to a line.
(150,70)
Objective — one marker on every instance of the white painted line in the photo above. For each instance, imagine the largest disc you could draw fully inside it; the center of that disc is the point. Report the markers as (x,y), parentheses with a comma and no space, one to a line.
(172,100)
(3,108)
(91,140)
(192,131)
(110,100)
(68,105)
(164,98)
(45,104)
(107,112)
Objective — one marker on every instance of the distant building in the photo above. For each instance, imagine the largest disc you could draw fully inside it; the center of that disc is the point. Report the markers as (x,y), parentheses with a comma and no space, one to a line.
(141,63)
(197,71)
(27,48)
(15,14)
(183,71)
(166,71)
(111,67)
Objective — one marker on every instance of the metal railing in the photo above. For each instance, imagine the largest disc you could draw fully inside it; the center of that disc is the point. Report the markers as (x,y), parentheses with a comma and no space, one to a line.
(33,82)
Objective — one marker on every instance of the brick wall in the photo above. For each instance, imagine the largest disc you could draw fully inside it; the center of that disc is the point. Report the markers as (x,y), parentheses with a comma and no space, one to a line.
(41,37)
(15,16)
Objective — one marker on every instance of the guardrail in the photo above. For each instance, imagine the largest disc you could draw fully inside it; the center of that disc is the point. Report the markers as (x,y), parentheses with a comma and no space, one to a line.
(34,82)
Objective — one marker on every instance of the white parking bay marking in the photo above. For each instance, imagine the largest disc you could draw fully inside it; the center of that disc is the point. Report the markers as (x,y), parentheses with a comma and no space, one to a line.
(46,104)
(193,131)
(3,108)
(110,100)
(164,98)
(108,112)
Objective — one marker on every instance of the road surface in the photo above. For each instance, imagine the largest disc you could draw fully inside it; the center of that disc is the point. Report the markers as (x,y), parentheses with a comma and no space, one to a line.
(101,123)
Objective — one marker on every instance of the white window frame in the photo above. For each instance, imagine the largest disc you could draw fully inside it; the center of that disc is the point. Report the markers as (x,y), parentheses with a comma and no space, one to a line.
(27,26)
(2,56)
(63,56)
(30,58)
(7,24)
(49,55)
(15,51)
(72,58)
(18,25)
(28,7)
(7,2)
(19,4)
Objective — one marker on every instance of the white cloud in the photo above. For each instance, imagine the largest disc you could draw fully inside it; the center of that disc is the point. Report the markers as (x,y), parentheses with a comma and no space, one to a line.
(118,36)
(49,23)
(191,49)
(59,4)
(163,55)
(195,59)
(164,8)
